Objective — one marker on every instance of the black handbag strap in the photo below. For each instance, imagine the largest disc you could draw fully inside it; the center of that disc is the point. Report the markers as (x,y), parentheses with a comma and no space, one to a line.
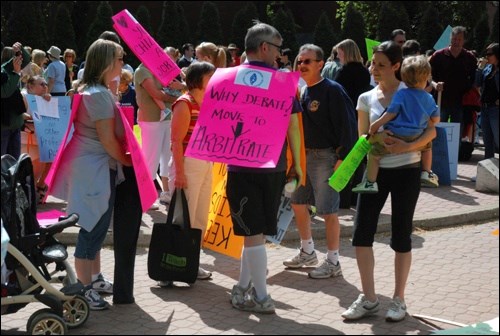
(183,220)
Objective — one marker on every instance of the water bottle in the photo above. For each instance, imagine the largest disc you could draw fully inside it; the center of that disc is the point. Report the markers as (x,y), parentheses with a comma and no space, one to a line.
(290,187)
(344,172)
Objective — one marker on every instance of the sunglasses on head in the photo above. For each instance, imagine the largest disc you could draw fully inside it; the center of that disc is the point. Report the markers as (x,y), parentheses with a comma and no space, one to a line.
(306,61)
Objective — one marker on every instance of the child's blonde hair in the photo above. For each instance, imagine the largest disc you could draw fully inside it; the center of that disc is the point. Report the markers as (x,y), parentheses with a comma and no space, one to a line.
(414,70)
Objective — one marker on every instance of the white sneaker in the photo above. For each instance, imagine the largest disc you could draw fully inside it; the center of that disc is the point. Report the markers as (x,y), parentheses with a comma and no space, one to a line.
(361,308)
(366,187)
(429,179)
(165,283)
(397,311)
(165,197)
(203,274)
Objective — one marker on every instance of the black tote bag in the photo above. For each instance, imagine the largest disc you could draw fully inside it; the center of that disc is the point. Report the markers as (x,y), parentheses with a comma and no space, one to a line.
(174,250)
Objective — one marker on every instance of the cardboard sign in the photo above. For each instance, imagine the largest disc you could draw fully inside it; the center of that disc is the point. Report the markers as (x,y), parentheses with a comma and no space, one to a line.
(444,39)
(440,161)
(285,215)
(244,116)
(77,99)
(219,236)
(452,142)
(145,47)
(370,44)
(50,130)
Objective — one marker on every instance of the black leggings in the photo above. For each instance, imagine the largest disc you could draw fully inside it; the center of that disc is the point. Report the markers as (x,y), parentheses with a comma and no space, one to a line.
(126,223)
(404,186)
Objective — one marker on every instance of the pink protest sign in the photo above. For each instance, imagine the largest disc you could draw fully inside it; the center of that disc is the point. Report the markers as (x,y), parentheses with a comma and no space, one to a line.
(145,47)
(77,99)
(128,111)
(147,190)
(244,116)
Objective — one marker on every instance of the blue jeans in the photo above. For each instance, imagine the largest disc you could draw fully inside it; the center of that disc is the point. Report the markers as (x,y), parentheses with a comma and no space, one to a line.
(11,142)
(489,126)
(89,243)
(317,191)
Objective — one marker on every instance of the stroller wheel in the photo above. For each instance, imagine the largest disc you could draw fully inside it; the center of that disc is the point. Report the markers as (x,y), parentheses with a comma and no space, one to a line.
(46,322)
(76,311)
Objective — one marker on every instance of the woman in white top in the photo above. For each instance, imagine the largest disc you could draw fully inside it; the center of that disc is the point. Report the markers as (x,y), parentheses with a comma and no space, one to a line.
(399,176)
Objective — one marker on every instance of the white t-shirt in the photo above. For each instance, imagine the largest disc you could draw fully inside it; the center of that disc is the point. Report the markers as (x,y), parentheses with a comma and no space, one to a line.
(368,103)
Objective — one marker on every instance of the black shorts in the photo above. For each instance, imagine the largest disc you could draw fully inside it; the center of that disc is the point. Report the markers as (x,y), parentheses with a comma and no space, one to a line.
(254,201)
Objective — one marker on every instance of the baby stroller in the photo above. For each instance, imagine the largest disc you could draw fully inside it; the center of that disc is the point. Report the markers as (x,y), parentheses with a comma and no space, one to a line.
(32,252)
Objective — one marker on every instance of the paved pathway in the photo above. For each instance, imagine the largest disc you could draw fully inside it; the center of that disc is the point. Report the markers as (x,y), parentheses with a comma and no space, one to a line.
(455,276)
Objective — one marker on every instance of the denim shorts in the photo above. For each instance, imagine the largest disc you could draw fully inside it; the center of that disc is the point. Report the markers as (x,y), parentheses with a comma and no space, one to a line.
(89,243)
(317,192)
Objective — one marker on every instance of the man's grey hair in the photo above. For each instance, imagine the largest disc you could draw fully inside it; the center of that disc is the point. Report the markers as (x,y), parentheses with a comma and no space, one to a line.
(315,48)
(258,33)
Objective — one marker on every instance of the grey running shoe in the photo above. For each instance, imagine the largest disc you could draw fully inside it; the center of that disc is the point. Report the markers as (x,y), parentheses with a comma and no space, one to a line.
(361,308)
(239,294)
(96,302)
(251,304)
(302,259)
(325,270)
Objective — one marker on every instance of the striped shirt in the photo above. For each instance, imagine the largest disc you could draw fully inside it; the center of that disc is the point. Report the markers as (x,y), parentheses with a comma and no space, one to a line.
(194,109)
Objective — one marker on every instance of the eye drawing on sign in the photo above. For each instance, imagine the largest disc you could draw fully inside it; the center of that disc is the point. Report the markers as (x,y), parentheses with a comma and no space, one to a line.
(122,22)
(253,78)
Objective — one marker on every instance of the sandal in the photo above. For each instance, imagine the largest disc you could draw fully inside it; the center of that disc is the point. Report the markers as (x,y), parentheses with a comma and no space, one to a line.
(41,191)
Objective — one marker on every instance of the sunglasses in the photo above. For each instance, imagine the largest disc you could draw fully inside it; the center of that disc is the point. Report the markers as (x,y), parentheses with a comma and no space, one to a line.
(274,45)
(42,84)
(306,61)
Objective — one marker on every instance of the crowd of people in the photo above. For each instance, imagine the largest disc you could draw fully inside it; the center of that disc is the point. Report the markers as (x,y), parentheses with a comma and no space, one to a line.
(339,100)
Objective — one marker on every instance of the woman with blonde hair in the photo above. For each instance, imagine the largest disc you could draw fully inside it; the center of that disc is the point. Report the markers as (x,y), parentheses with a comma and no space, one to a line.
(209,52)
(94,153)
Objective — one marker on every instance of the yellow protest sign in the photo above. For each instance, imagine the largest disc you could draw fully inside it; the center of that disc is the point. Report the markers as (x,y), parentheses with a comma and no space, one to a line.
(219,236)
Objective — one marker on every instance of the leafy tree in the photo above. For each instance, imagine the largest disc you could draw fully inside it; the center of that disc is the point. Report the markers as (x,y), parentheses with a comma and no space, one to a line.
(144,18)
(241,22)
(82,13)
(283,21)
(174,29)
(481,34)
(494,30)
(185,33)
(354,29)
(392,16)
(26,25)
(169,26)
(429,30)
(324,35)
(64,37)
(101,23)
(368,9)
(209,27)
